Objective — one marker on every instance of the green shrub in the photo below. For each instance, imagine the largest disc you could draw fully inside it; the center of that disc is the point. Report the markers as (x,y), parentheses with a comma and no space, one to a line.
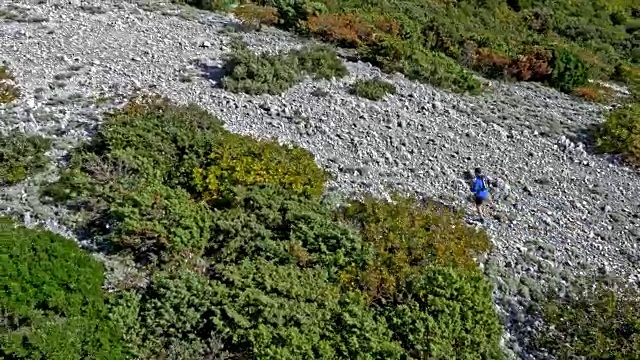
(240,160)
(441,308)
(372,89)
(620,133)
(424,66)
(600,324)
(9,92)
(259,73)
(21,156)
(569,71)
(51,303)
(273,74)
(321,61)
(407,237)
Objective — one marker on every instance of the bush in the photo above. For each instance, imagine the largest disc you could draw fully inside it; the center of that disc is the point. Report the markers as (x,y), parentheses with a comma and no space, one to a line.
(321,61)
(51,303)
(442,308)
(592,92)
(9,92)
(602,323)
(372,89)
(569,71)
(254,16)
(21,156)
(342,29)
(407,237)
(620,133)
(259,73)
(263,268)
(241,160)
(273,74)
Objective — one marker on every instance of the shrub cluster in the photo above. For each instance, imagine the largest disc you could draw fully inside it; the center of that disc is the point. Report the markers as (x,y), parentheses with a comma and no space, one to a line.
(620,133)
(9,92)
(254,264)
(600,323)
(516,37)
(255,74)
(51,300)
(21,156)
(372,89)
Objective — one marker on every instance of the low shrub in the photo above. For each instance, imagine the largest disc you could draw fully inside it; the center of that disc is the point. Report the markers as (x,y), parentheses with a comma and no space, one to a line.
(9,92)
(593,92)
(21,156)
(240,160)
(601,323)
(569,71)
(372,89)
(321,62)
(534,64)
(259,73)
(393,55)
(348,30)
(51,303)
(254,16)
(620,133)
(407,237)
(273,74)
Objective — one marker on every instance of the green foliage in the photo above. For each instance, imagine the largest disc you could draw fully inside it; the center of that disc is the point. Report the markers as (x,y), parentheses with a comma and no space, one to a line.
(441,308)
(51,303)
(321,61)
(569,71)
(372,89)
(601,323)
(255,74)
(440,34)
(245,260)
(9,92)
(407,237)
(238,159)
(21,156)
(620,133)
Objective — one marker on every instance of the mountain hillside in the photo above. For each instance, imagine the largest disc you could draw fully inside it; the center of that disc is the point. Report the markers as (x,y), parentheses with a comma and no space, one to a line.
(565,215)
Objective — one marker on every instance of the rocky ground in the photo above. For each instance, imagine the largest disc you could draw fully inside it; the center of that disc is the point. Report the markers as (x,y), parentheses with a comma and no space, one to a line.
(569,213)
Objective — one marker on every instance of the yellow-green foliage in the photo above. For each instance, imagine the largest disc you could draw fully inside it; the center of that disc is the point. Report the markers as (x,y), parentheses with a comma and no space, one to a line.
(620,134)
(8,90)
(239,160)
(407,237)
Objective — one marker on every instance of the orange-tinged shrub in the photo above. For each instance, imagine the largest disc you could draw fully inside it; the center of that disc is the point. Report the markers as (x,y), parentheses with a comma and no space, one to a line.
(533,65)
(345,29)
(254,16)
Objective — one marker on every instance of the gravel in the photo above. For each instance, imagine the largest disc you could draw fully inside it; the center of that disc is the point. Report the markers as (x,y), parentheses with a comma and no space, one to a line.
(568,213)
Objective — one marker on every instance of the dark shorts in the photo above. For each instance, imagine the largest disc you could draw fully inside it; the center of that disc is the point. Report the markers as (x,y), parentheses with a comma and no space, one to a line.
(479,200)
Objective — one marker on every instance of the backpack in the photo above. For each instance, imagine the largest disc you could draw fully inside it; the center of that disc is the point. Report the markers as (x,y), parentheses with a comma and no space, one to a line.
(485,182)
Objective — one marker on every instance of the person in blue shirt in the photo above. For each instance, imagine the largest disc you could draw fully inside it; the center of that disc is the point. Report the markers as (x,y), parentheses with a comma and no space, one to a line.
(480,188)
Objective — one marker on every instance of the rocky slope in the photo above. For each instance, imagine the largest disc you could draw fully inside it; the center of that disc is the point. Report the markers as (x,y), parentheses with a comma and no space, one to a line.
(569,213)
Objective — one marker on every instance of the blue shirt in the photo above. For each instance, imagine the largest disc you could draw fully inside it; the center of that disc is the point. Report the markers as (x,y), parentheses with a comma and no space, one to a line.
(479,189)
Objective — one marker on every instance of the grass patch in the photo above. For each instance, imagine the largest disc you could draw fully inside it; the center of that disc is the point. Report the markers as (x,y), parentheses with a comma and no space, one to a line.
(620,133)
(372,89)
(52,304)
(255,74)
(246,259)
(21,156)
(9,92)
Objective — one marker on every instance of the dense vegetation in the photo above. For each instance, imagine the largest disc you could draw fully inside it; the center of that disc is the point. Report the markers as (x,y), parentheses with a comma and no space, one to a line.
(21,155)
(51,300)
(561,43)
(620,134)
(601,323)
(273,74)
(246,256)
